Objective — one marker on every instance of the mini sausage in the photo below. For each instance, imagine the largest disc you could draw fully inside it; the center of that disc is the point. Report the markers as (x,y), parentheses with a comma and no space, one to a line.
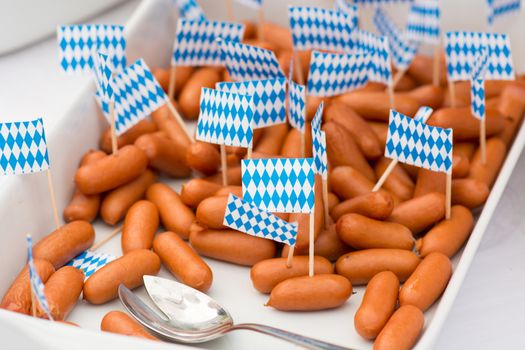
(361,232)
(189,98)
(102,286)
(167,123)
(140,226)
(174,214)
(421,69)
(379,303)
(448,236)
(117,202)
(234,176)
(62,290)
(121,323)
(186,265)
(398,182)
(65,243)
(402,329)
(203,157)
(182,75)
(164,154)
(272,139)
(304,293)
(470,193)
(232,246)
(226,190)
(360,266)
(292,145)
(419,213)
(196,190)
(277,35)
(266,274)
(427,282)
(488,172)
(18,296)
(145,126)
(348,183)
(429,181)
(112,171)
(210,212)
(333,201)
(375,205)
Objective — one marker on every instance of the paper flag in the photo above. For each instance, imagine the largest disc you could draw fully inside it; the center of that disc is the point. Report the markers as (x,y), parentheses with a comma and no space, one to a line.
(36,283)
(90,262)
(423,23)
(189,9)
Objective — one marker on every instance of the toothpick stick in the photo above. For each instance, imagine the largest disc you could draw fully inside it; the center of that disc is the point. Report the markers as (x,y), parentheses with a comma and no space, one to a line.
(51,189)
(311,245)
(178,118)
(114,145)
(483,141)
(325,204)
(171,85)
(249,153)
(390,90)
(229,9)
(448,194)
(107,238)
(435,75)
(452,93)
(260,23)
(33,302)
(289,260)
(298,66)
(224,166)
(385,175)
(397,77)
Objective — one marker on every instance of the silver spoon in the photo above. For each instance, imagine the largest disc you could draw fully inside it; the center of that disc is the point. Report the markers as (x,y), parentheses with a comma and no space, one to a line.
(194,317)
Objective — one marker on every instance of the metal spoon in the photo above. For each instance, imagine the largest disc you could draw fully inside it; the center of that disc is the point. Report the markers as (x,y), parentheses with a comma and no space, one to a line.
(194,317)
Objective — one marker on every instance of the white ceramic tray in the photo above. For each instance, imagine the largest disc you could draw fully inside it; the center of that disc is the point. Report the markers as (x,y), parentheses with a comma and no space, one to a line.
(25,209)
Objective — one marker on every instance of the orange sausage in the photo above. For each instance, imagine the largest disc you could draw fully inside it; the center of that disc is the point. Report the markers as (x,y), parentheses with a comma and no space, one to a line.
(182,75)
(360,266)
(361,131)
(428,95)
(174,214)
(380,130)
(470,193)
(361,232)
(62,290)
(210,212)
(272,139)
(65,243)
(167,124)
(266,274)
(226,190)
(196,190)
(277,35)
(232,246)
(250,30)
(140,226)
(112,171)
(305,293)
(186,265)
(342,150)
(398,182)
(292,145)
(143,127)
(18,296)
(421,69)
(406,83)
(234,176)
(84,207)
(203,157)
(487,173)
(121,323)
(379,303)
(402,329)
(189,98)
(375,205)
(285,58)
(465,149)
(429,181)
(117,202)
(333,200)
(427,282)
(419,213)
(448,236)
(348,183)
(164,154)
(102,286)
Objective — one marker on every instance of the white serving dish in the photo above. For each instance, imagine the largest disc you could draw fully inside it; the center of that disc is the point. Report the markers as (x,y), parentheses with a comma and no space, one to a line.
(26,210)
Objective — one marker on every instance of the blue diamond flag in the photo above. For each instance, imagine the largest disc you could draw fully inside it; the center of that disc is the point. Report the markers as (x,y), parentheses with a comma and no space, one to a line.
(90,262)
(189,9)
(423,23)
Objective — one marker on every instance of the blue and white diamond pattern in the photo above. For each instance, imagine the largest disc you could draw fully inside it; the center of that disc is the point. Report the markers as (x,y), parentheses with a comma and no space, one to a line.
(103,75)
(498,8)
(415,143)
(269,99)
(479,70)
(423,113)
(137,94)
(225,118)
(79,43)
(403,51)
(379,69)
(90,262)
(297,105)
(346,7)
(248,218)
(36,283)
(317,120)
(319,144)
(23,147)
(333,74)
(463,48)
(423,23)
(282,185)
(247,62)
(255,4)
(189,9)
(379,2)
(477,97)
(320,29)
(196,41)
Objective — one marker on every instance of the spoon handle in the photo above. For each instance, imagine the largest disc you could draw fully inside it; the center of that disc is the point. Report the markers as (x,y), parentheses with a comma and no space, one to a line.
(306,342)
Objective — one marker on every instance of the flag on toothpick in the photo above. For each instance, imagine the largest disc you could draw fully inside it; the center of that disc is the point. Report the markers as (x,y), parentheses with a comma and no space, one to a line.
(137,93)
(248,218)
(196,41)
(463,48)
(23,147)
(423,113)
(499,8)
(334,74)
(423,23)
(379,69)
(477,85)
(283,185)
(79,43)
(297,105)
(37,287)
(269,99)
(319,144)
(103,77)
(321,29)
(255,4)
(90,262)
(403,51)
(346,7)
(225,118)
(189,9)
(247,62)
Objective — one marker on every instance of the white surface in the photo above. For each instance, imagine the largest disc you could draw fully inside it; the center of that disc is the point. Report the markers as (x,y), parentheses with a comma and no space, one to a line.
(482,317)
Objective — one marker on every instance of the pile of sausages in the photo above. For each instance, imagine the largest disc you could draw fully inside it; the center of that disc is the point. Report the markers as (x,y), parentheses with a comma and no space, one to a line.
(382,239)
